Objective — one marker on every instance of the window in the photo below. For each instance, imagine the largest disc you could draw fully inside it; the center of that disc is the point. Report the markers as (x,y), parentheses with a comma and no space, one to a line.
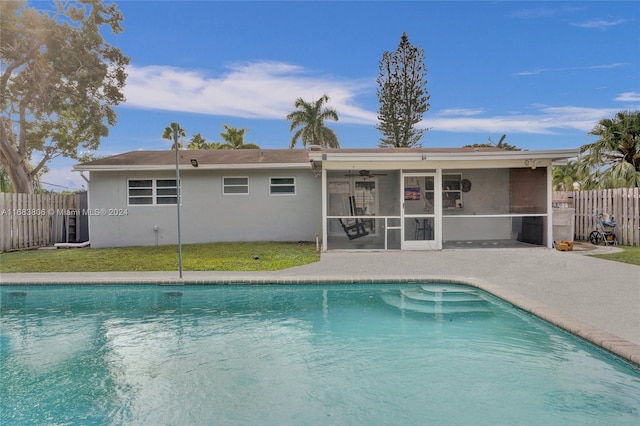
(166,191)
(152,191)
(235,185)
(452,191)
(141,191)
(282,186)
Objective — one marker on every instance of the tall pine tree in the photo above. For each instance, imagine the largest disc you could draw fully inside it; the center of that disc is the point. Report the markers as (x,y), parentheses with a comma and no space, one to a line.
(403,95)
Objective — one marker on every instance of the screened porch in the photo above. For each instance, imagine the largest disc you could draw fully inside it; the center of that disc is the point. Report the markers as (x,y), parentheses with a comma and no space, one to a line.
(436,208)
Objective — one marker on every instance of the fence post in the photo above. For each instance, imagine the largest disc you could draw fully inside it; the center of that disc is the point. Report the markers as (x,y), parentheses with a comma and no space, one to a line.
(636,215)
(623,213)
(5,225)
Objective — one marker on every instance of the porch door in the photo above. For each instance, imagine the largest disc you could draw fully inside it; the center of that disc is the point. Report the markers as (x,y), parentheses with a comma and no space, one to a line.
(419,220)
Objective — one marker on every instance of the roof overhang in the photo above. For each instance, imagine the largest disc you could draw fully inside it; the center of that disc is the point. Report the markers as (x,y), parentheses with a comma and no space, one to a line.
(420,159)
(183,167)
(417,156)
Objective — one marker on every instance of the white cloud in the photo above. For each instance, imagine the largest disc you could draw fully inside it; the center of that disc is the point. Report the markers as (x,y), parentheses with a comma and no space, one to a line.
(63,179)
(589,67)
(538,12)
(267,90)
(542,120)
(256,90)
(545,11)
(598,23)
(460,111)
(628,97)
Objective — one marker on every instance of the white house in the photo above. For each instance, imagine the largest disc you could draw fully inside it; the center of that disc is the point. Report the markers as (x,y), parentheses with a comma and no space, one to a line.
(373,199)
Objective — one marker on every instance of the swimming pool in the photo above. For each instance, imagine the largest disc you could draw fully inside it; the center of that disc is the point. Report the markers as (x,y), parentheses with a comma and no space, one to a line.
(299,354)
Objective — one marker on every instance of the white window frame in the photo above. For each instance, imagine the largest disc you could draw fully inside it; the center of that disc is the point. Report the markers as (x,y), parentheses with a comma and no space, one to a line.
(273,185)
(446,176)
(157,195)
(154,192)
(225,185)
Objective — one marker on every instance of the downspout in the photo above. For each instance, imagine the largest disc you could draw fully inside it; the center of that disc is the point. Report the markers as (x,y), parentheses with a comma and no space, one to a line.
(85,178)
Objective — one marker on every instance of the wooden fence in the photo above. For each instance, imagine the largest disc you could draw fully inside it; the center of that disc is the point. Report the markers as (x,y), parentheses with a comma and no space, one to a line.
(621,203)
(35,220)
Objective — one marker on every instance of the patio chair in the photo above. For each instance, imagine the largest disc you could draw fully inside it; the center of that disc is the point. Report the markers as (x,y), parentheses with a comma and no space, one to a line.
(354,230)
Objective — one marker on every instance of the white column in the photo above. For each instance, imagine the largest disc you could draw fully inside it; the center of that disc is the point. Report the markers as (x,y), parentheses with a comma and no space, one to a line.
(437,205)
(549,206)
(324,209)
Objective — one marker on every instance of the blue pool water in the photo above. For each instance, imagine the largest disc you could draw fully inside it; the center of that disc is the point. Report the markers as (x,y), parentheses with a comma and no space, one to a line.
(303,355)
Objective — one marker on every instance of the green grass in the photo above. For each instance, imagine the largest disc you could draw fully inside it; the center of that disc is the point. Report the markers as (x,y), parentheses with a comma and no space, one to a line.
(630,254)
(195,257)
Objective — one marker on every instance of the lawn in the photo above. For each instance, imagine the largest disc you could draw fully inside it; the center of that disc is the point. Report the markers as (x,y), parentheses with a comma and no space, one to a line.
(267,256)
(628,255)
(195,257)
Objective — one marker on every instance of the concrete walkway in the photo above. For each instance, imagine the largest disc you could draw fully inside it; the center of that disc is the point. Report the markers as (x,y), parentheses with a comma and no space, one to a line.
(596,299)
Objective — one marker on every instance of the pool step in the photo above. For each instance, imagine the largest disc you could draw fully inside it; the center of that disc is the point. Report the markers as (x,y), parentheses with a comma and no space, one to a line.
(438,300)
(431,296)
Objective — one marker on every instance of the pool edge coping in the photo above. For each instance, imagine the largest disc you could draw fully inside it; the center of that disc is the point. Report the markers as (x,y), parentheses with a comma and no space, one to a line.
(608,342)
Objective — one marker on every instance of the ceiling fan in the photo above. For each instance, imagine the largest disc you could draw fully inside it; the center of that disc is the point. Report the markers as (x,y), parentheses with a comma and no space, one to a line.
(365,173)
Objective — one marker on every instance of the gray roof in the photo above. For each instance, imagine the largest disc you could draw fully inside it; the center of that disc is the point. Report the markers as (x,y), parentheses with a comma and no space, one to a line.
(203,156)
(293,158)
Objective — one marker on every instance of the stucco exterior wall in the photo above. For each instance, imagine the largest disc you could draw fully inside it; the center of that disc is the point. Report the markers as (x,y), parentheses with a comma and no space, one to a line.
(476,229)
(206,214)
(489,194)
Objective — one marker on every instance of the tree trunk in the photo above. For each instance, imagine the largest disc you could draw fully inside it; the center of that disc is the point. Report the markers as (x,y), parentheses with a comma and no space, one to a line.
(21,178)
(16,167)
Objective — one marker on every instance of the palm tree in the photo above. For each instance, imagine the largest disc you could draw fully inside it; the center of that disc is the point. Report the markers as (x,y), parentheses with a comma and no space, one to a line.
(613,160)
(234,138)
(501,144)
(310,117)
(198,142)
(564,177)
(168,134)
(217,145)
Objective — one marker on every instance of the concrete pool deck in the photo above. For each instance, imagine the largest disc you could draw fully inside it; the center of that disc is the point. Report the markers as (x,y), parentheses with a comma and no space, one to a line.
(596,299)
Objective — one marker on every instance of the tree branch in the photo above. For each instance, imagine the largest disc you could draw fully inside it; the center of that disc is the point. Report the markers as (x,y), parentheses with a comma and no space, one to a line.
(42,162)
(22,137)
(4,80)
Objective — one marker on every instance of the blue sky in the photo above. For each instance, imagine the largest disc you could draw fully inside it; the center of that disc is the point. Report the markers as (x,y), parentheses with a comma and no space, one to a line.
(543,73)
